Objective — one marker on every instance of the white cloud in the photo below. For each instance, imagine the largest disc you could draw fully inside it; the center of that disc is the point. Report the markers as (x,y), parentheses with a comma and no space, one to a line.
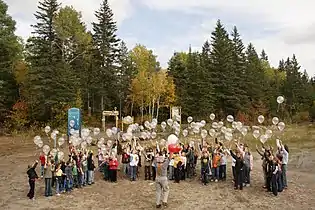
(292,19)
(24,13)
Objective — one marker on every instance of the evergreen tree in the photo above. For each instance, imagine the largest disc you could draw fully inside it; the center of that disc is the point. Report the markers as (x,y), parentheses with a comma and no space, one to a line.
(239,71)
(255,80)
(125,74)
(177,67)
(223,76)
(107,44)
(43,55)
(10,49)
(263,55)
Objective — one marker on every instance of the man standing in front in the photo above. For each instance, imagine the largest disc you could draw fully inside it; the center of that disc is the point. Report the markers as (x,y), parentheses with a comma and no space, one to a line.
(162,188)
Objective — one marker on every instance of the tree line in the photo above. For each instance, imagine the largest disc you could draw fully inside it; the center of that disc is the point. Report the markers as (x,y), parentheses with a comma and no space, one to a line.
(63,65)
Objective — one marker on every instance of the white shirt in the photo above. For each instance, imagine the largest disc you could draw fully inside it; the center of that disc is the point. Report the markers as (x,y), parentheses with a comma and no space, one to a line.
(134,160)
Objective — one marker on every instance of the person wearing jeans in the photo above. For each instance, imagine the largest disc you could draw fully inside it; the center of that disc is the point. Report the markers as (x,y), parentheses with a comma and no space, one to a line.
(134,160)
(248,161)
(284,151)
(48,174)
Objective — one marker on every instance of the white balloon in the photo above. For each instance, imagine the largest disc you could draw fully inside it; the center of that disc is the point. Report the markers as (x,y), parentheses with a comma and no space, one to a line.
(153,135)
(212,116)
(53,152)
(230,118)
(220,124)
(61,141)
(215,125)
(96,131)
(239,125)
(280,99)
(189,119)
(244,131)
(172,139)
(46,149)
(53,135)
(268,133)
(185,133)
(263,139)
(163,125)
(261,119)
(281,126)
(256,134)
(47,129)
(83,145)
(114,130)
(212,132)
(228,136)
(203,123)
(37,139)
(40,144)
(169,122)
(204,133)
(234,124)
(109,132)
(60,155)
(71,123)
(275,120)
(89,139)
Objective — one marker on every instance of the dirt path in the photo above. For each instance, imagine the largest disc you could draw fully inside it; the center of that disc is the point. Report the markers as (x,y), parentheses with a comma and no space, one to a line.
(141,194)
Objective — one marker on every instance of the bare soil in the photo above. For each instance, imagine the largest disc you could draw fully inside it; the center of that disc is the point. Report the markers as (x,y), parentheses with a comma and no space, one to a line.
(16,154)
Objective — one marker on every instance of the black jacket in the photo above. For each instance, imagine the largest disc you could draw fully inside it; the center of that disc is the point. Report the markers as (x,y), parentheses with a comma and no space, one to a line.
(239,162)
(31,172)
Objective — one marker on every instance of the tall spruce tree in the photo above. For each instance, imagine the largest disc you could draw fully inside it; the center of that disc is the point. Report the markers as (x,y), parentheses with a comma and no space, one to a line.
(255,81)
(125,74)
(222,64)
(43,56)
(239,75)
(177,67)
(107,44)
(10,49)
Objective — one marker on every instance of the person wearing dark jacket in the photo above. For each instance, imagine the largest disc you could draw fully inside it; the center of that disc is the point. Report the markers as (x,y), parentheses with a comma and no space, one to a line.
(91,167)
(239,170)
(32,176)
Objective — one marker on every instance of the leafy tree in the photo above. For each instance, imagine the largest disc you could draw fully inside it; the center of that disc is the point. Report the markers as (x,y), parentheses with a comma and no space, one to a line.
(10,51)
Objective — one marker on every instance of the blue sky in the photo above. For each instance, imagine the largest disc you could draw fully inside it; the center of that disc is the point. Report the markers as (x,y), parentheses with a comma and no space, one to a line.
(166,26)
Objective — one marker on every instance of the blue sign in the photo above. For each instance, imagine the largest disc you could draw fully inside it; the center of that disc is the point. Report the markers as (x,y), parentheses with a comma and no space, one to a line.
(74,120)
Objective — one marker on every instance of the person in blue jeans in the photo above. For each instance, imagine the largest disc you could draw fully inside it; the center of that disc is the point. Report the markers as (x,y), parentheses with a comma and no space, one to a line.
(134,160)
(48,174)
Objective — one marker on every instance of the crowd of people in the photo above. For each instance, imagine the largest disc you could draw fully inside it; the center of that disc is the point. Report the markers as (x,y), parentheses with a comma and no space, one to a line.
(161,166)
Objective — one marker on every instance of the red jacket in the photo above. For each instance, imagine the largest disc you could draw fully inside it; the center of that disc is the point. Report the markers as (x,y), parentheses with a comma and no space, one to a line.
(42,159)
(113,165)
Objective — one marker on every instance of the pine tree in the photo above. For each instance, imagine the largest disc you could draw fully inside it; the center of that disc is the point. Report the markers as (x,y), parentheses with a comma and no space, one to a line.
(263,55)
(125,74)
(10,49)
(107,44)
(239,71)
(255,80)
(43,56)
(177,67)
(221,64)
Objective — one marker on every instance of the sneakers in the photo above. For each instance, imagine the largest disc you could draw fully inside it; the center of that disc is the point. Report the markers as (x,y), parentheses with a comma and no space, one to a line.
(158,206)
(164,204)
(216,180)
(58,194)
